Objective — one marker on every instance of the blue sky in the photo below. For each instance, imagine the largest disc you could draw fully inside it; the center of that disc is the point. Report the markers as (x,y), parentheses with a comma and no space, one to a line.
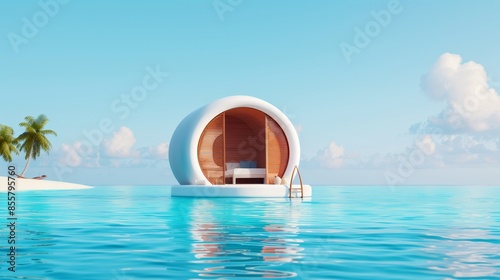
(74,60)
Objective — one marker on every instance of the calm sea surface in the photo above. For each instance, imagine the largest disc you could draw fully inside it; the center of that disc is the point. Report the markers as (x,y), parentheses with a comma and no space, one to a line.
(141,232)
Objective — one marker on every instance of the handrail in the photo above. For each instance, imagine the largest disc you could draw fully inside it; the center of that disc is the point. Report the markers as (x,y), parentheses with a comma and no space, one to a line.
(291,182)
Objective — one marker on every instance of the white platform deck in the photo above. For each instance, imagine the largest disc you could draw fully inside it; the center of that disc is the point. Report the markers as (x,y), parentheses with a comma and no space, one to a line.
(240,190)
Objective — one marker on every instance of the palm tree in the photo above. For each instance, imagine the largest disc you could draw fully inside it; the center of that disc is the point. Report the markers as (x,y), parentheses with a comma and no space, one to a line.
(34,138)
(7,143)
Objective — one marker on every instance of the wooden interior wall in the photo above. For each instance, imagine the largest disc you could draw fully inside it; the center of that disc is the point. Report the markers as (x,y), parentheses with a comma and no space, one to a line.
(277,150)
(211,151)
(242,141)
(253,148)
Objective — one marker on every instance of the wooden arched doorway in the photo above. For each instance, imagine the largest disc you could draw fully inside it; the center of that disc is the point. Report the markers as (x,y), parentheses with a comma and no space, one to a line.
(244,137)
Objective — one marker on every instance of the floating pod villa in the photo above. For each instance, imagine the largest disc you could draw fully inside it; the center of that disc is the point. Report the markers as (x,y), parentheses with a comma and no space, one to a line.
(238,146)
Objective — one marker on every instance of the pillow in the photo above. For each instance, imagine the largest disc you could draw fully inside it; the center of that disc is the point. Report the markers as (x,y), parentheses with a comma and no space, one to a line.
(232,165)
(248,164)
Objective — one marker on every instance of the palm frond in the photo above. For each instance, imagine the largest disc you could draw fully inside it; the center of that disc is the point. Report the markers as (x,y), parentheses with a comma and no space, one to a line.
(7,143)
(33,140)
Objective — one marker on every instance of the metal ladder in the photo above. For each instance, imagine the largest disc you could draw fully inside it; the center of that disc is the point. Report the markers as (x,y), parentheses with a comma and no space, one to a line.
(296,168)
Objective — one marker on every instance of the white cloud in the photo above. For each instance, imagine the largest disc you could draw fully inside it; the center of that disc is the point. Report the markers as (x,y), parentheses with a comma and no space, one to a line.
(421,153)
(159,151)
(426,151)
(472,105)
(80,153)
(121,143)
(466,131)
(426,144)
(115,151)
(69,155)
(332,156)
(466,149)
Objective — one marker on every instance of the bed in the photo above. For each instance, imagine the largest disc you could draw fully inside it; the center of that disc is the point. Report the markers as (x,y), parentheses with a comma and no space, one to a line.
(240,170)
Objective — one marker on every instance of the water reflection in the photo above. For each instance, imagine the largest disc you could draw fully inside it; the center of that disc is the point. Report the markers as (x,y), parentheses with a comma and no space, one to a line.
(277,249)
(249,247)
(468,253)
(470,248)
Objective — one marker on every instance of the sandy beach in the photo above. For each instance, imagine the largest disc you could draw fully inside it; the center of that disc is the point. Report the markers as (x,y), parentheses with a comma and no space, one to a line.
(32,184)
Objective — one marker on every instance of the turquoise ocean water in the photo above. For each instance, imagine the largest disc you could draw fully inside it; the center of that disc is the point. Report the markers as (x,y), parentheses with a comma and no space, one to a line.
(141,232)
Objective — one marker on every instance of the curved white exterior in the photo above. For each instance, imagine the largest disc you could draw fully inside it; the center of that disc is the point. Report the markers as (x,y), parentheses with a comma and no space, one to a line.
(183,149)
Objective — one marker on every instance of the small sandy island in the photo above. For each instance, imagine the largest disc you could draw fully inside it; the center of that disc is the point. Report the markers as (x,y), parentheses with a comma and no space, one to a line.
(33,184)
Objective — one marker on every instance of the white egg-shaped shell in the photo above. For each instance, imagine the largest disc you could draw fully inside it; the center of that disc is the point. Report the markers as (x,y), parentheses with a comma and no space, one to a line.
(183,149)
